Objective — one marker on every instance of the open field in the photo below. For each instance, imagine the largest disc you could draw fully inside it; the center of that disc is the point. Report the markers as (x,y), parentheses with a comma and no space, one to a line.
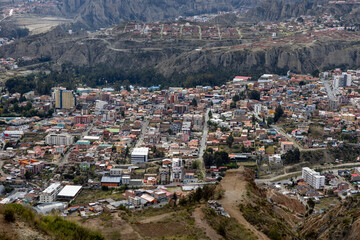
(38,24)
(87,195)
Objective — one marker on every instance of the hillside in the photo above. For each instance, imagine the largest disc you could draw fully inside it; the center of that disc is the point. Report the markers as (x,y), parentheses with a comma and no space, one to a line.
(269,215)
(180,57)
(276,10)
(19,222)
(94,14)
(340,222)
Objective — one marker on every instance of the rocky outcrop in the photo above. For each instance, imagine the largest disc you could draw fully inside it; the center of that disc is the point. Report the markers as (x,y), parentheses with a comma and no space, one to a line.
(340,222)
(297,58)
(180,57)
(94,14)
(275,10)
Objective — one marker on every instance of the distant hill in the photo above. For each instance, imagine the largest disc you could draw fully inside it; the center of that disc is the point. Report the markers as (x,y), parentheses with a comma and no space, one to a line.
(277,10)
(94,14)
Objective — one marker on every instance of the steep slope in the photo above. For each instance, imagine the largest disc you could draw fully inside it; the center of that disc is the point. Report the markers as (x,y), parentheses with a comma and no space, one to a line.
(19,222)
(300,58)
(171,58)
(94,14)
(341,222)
(251,206)
(275,10)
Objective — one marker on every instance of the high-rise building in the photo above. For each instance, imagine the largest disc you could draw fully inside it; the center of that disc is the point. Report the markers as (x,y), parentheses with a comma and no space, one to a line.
(343,80)
(64,99)
(177,170)
(59,139)
(313,178)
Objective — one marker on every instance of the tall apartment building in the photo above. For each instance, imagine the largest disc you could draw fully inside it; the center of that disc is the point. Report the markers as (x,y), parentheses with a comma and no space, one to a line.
(50,193)
(343,80)
(59,139)
(177,170)
(313,178)
(64,99)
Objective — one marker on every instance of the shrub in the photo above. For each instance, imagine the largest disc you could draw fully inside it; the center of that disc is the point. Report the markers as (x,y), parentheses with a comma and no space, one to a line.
(9,215)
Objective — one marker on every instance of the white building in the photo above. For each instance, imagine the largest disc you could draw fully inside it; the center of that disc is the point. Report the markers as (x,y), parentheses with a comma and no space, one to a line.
(13,134)
(50,193)
(59,139)
(275,159)
(313,178)
(69,192)
(139,155)
(177,170)
(343,80)
(100,105)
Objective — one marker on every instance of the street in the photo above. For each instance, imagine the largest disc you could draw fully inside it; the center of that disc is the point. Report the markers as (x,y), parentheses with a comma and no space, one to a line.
(203,141)
(334,167)
(329,90)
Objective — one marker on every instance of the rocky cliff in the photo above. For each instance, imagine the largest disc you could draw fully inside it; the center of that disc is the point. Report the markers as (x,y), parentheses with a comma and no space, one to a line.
(340,222)
(180,57)
(94,14)
(274,10)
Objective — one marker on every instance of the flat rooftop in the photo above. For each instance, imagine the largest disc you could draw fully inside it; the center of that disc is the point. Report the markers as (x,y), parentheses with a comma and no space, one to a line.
(69,191)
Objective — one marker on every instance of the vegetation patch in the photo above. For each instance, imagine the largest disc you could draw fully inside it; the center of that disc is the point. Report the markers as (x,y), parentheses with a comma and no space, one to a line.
(54,226)
(261,215)
(229,228)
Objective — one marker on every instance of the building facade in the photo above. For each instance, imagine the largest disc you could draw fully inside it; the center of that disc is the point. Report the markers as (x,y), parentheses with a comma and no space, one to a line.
(64,99)
(313,178)
(50,193)
(139,155)
(59,139)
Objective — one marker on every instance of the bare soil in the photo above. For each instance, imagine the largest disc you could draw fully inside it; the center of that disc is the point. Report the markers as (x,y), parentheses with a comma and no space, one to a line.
(201,223)
(235,186)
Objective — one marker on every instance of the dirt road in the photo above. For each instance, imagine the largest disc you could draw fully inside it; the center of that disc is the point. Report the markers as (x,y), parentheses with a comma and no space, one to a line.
(201,223)
(234,185)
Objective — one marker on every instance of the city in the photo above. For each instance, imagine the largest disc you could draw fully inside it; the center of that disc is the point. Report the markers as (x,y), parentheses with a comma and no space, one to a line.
(166,142)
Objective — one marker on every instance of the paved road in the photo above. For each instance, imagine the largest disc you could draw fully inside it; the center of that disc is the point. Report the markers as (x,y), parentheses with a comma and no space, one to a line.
(333,167)
(329,90)
(281,131)
(203,141)
(143,131)
(289,138)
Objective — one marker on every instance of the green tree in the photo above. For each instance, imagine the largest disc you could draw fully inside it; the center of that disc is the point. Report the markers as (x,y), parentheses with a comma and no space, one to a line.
(236,98)
(194,102)
(9,215)
(278,113)
(28,175)
(291,156)
(230,140)
(254,95)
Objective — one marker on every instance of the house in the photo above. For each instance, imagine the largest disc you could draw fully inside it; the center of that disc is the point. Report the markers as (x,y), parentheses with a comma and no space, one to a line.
(355,177)
(286,146)
(110,181)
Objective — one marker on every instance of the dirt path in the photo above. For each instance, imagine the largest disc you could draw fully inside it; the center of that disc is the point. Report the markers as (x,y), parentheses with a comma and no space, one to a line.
(156,218)
(201,223)
(235,185)
(116,228)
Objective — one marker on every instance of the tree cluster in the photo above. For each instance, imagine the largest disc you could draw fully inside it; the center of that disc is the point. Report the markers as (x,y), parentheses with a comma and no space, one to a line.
(218,158)
(291,156)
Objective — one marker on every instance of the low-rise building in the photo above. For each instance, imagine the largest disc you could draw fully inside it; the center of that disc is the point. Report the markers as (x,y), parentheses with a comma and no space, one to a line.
(50,193)
(139,155)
